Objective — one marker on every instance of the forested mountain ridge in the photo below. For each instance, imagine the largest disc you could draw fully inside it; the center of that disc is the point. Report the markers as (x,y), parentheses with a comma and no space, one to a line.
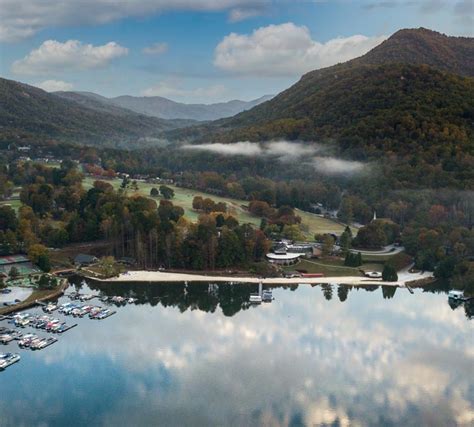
(157,106)
(424,47)
(373,110)
(26,110)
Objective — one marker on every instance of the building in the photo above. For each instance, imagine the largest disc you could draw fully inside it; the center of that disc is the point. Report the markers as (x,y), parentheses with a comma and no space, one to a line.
(283,258)
(22,264)
(85,259)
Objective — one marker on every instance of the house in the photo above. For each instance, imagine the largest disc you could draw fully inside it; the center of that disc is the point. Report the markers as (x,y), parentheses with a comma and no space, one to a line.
(84,259)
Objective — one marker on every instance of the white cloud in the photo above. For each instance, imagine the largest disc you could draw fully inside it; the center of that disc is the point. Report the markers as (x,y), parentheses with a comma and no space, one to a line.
(156,49)
(286,50)
(54,85)
(23,18)
(285,151)
(53,56)
(250,149)
(240,14)
(173,90)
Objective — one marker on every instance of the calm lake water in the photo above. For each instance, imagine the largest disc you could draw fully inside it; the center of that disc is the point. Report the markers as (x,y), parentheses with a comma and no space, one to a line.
(201,356)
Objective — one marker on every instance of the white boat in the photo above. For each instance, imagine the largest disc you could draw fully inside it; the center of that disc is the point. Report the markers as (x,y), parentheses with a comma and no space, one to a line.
(255,299)
(7,359)
(458,295)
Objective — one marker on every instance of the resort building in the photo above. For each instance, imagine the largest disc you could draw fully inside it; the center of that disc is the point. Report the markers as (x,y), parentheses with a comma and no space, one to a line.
(284,258)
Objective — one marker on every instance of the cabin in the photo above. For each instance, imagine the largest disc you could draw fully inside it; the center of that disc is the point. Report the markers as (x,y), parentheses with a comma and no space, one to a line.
(84,259)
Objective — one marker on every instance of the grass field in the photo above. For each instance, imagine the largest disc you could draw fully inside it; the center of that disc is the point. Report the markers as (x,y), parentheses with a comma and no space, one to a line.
(312,224)
(328,268)
(15,204)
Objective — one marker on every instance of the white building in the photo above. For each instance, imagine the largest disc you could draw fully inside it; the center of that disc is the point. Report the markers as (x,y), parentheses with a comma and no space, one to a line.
(284,259)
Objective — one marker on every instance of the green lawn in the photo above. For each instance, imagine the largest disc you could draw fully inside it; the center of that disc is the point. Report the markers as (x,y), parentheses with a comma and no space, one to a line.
(15,204)
(326,267)
(312,224)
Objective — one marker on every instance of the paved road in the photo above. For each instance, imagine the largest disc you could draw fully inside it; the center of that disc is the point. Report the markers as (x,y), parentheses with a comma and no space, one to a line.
(387,250)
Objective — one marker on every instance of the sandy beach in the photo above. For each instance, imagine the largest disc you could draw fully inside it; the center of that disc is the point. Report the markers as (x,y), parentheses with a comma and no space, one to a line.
(163,276)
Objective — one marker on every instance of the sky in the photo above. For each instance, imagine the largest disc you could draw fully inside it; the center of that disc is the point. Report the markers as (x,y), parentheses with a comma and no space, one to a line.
(201,51)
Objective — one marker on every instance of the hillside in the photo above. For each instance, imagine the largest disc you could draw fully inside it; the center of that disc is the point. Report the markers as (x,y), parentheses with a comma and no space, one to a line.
(26,110)
(368,106)
(422,46)
(379,107)
(157,106)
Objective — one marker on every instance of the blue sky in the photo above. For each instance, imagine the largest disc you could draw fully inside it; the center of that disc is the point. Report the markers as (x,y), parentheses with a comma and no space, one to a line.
(200,50)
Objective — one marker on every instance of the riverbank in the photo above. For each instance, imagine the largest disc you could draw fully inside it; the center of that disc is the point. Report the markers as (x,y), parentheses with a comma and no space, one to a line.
(163,276)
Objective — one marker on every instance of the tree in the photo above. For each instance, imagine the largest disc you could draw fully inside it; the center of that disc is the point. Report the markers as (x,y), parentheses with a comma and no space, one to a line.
(166,192)
(44,263)
(13,273)
(125,182)
(345,241)
(328,245)
(154,192)
(108,266)
(389,273)
(8,220)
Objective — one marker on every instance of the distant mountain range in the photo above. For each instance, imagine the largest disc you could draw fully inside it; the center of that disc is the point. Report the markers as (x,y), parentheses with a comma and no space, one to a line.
(415,91)
(29,112)
(157,106)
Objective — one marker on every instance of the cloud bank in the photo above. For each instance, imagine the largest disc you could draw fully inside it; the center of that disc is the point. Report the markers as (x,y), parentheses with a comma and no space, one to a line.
(285,151)
(20,19)
(53,56)
(286,50)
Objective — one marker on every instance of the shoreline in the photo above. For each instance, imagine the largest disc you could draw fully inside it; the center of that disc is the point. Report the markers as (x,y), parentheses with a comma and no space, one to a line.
(160,276)
(55,293)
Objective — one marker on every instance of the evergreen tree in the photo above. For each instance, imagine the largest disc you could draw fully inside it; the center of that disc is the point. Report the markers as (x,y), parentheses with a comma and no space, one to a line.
(389,273)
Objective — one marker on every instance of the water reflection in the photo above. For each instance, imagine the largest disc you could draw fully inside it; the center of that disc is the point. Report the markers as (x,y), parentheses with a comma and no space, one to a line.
(201,355)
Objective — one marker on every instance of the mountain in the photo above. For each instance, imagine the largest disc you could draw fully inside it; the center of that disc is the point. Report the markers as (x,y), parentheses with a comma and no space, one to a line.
(29,111)
(157,106)
(383,101)
(423,46)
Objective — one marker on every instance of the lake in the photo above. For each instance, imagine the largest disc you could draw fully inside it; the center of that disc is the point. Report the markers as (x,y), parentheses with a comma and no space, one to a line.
(200,355)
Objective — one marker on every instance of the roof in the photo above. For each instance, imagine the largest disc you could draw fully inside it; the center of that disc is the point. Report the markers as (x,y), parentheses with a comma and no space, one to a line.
(287,256)
(13,259)
(84,258)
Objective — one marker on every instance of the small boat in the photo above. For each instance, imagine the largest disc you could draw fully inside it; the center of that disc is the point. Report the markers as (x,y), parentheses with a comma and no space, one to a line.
(255,299)
(131,300)
(7,359)
(5,339)
(457,295)
(267,296)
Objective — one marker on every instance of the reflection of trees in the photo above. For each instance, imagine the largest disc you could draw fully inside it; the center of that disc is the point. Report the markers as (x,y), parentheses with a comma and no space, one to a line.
(327,291)
(388,291)
(342,292)
(194,296)
(469,308)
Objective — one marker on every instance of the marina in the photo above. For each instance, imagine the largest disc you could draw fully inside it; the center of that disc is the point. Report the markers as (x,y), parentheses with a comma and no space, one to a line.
(16,326)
